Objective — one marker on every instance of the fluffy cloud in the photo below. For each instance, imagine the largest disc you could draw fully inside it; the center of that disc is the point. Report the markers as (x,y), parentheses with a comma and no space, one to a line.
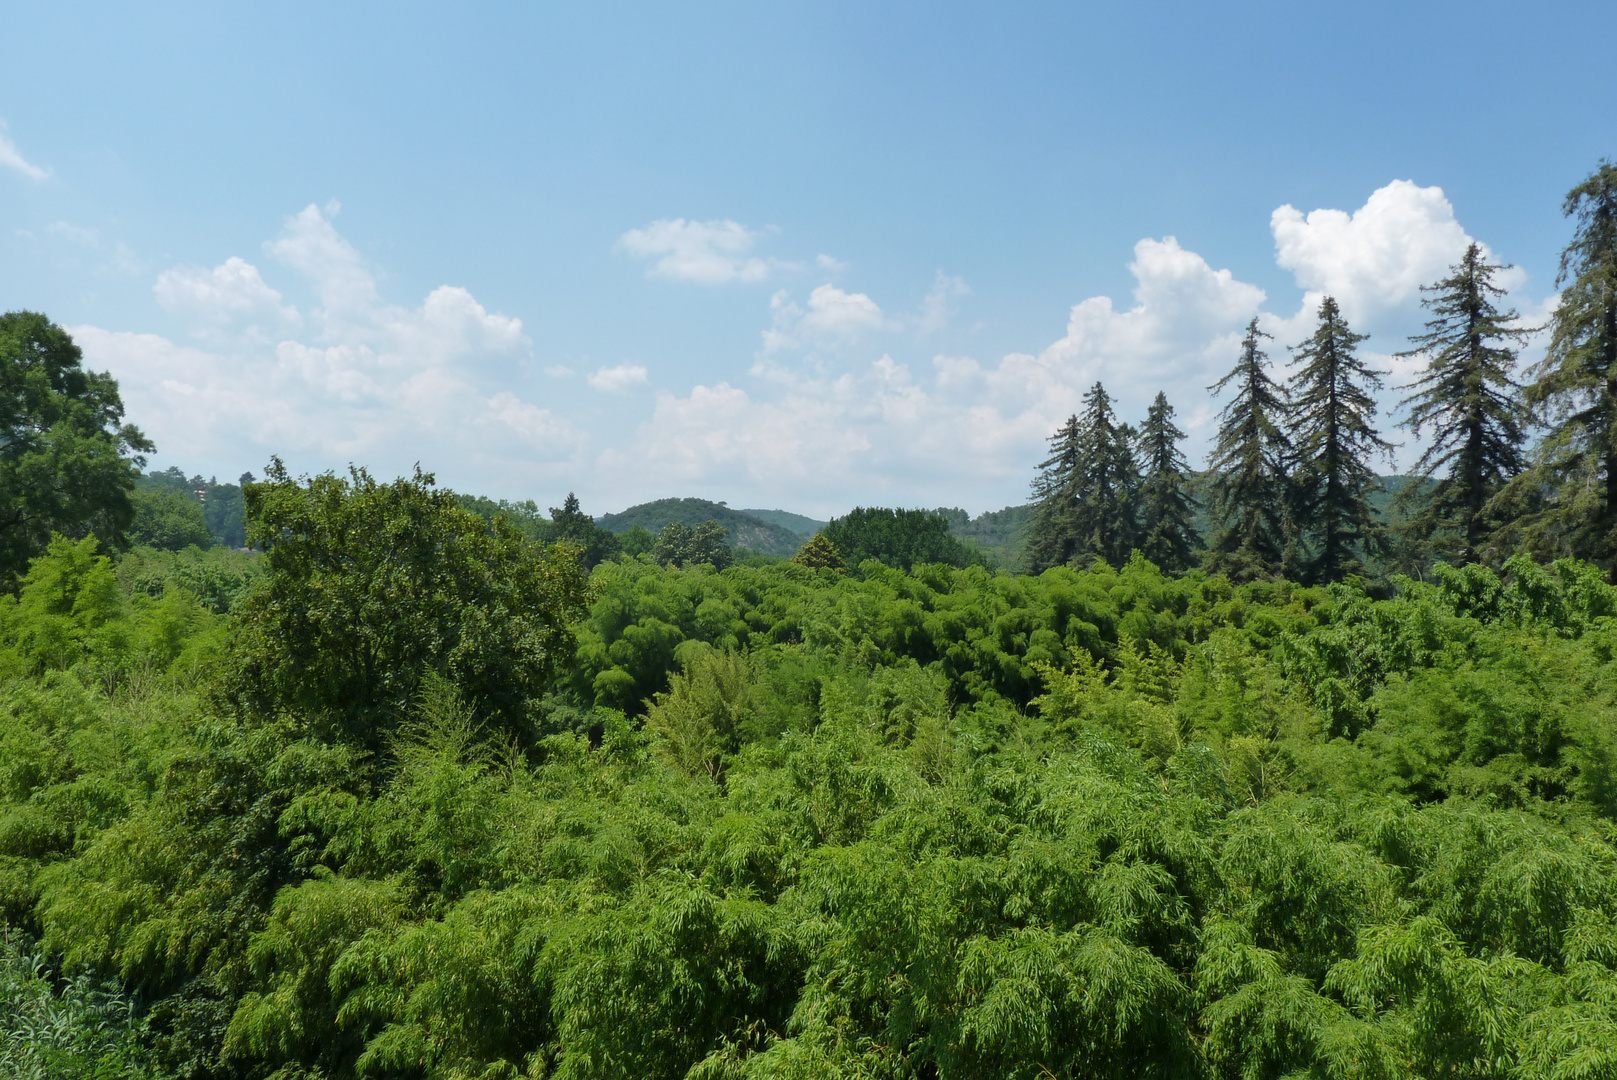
(709,252)
(617,379)
(369,381)
(1374,260)
(832,314)
(230,294)
(11,158)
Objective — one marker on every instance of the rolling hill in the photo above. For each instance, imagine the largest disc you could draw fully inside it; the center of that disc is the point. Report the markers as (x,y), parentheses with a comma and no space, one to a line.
(746,530)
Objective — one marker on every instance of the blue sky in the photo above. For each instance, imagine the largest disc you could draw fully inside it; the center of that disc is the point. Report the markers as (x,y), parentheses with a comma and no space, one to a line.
(795,255)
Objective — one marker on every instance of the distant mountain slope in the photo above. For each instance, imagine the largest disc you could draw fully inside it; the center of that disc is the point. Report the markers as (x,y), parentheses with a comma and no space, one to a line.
(1000,533)
(797,523)
(745,530)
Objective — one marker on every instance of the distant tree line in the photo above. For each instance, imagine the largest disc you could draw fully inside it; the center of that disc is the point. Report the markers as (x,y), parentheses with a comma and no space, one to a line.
(1289,487)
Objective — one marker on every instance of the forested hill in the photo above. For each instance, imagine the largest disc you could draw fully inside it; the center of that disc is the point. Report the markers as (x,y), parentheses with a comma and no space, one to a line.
(798,523)
(745,530)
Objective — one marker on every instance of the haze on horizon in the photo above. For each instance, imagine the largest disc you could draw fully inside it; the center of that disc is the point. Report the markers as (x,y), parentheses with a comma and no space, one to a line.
(807,258)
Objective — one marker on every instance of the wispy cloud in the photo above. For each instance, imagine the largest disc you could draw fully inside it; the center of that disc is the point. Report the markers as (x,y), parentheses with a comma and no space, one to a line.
(615,380)
(11,158)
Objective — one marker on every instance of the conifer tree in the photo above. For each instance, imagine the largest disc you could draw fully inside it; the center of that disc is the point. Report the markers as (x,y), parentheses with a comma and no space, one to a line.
(1333,437)
(1566,504)
(1247,489)
(1051,535)
(1167,511)
(1468,399)
(1108,478)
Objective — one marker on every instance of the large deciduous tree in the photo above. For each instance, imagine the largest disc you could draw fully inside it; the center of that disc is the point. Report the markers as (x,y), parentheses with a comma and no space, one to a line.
(1566,503)
(899,538)
(1469,401)
(68,463)
(680,545)
(1167,511)
(373,589)
(1334,438)
(1247,483)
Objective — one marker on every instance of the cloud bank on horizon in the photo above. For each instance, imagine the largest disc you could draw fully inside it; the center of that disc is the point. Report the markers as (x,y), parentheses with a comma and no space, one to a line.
(824,418)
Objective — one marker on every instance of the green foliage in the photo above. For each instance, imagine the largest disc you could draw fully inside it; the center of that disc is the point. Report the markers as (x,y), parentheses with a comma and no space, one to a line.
(72,1029)
(775,821)
(222,506)
(1001,535)
(570,525)
(369,587)
(169,520)
(896,538)
(820,554)
(219,577)
(67,462)
(678,546)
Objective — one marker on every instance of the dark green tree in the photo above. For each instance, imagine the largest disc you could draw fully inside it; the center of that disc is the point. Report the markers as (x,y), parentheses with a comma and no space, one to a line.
(1167,511)
(899,538)
(638,540)
(1052,534)
(1334,438)
(372,588)
(1246,486)
(1104,517)
(577,528)
(168,519)
(67,462)
(1566,503)
(1470,402)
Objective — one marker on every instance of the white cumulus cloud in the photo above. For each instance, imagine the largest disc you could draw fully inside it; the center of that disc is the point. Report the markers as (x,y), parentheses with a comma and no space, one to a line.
(231,293)
(831,314)
(1376,258)
(709,252)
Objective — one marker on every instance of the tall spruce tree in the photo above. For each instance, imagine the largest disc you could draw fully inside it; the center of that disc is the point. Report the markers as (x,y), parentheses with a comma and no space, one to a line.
(1108,478)
(1334,439)
(1247,487)
(1566,504)
(1469,401)
(1167,511)
(1052,535)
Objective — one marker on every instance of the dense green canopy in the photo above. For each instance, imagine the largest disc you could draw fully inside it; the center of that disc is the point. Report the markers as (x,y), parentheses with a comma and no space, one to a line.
(67,462)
